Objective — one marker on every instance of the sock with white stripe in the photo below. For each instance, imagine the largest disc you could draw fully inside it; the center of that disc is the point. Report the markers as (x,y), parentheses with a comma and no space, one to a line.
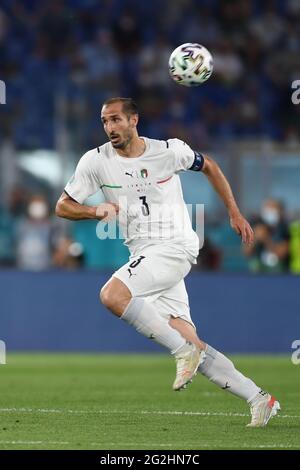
(144,318)
(221,371)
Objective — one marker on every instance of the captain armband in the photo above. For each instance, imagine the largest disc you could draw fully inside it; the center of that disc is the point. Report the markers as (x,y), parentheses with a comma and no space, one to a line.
(198,162)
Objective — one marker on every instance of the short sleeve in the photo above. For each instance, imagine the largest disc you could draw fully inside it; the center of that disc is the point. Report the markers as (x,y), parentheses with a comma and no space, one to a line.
(85,180)
(184,157)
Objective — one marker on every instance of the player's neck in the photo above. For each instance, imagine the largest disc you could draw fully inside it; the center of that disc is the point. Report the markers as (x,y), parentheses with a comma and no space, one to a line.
(135,148)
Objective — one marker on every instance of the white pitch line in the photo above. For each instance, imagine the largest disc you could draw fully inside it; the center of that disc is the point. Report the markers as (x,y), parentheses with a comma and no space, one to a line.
(274,446)
(209,413)
(197,445)
(142,412)
(29,443)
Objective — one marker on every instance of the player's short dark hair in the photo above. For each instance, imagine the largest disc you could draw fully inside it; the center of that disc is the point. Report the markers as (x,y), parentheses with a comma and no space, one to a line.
(129,106)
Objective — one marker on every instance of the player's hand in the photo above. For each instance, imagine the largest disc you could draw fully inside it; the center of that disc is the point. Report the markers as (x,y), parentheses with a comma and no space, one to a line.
(107,211)
(242,227)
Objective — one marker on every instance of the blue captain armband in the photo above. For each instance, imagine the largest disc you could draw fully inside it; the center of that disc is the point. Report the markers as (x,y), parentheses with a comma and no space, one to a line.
(198,162)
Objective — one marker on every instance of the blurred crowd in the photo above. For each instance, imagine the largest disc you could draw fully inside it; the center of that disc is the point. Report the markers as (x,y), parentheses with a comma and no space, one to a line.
(76,53)
(31,238)
(276,247)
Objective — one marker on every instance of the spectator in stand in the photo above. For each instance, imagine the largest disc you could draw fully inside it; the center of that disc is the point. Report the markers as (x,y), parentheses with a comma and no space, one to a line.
(68,254)
(270,251)
(34,236)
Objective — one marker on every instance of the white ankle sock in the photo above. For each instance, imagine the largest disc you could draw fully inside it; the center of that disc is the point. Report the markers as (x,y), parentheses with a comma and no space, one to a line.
(221,371)
(144,318)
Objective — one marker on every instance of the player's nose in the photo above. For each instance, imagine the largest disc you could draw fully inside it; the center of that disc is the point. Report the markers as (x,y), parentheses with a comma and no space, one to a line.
(110,128)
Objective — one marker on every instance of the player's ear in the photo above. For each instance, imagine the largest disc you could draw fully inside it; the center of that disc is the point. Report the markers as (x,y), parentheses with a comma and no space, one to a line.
(134,119)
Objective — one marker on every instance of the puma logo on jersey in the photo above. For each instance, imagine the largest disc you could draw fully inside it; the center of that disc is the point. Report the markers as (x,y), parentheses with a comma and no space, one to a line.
(129,174)
(130,273)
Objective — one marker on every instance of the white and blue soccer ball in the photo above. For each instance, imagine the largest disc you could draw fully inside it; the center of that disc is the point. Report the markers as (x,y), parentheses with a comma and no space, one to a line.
(190,64)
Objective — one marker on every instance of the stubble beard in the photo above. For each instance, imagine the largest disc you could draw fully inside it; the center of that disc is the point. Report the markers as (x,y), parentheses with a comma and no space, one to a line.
(122,145)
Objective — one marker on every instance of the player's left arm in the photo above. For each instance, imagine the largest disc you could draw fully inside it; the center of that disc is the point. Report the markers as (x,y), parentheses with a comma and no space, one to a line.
(218,180)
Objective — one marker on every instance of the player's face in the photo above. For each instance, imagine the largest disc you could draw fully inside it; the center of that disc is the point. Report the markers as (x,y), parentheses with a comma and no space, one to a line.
(117,125)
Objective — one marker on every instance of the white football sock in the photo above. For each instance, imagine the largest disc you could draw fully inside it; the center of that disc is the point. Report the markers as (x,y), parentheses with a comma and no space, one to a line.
(221,371)
(144,318)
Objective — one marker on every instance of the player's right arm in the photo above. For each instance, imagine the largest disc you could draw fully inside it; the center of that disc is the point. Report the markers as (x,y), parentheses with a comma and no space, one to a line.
(68,208)
(84,183)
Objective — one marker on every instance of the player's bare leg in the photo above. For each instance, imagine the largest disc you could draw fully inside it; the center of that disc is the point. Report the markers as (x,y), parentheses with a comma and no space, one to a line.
(141,314)
(221,371)
(115,296)
(187,331)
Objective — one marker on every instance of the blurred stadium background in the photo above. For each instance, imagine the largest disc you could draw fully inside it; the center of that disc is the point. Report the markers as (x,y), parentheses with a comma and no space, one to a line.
(60,60)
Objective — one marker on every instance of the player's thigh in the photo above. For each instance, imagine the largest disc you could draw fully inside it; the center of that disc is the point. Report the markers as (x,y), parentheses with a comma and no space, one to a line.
(154,271)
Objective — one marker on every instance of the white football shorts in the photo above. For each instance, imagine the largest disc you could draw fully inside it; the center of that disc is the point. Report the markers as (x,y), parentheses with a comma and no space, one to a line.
(157,273)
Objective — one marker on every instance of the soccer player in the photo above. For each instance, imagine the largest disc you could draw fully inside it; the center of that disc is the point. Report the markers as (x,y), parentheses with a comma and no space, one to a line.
(140,181)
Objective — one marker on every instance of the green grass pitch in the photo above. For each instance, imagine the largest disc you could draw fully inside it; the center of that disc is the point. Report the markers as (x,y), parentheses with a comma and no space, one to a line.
(77,401)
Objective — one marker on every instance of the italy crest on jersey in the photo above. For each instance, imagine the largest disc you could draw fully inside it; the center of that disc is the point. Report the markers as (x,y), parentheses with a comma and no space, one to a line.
(144,173)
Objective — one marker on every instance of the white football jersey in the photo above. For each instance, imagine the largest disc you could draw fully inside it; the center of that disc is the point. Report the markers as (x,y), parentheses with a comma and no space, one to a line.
(147,188)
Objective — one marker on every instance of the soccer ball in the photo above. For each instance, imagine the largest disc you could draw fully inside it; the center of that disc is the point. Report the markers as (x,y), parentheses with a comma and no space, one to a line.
(190,64)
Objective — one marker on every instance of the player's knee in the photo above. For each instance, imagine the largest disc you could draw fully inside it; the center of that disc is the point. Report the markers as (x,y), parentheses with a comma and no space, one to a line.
(106,296)
(115,299)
